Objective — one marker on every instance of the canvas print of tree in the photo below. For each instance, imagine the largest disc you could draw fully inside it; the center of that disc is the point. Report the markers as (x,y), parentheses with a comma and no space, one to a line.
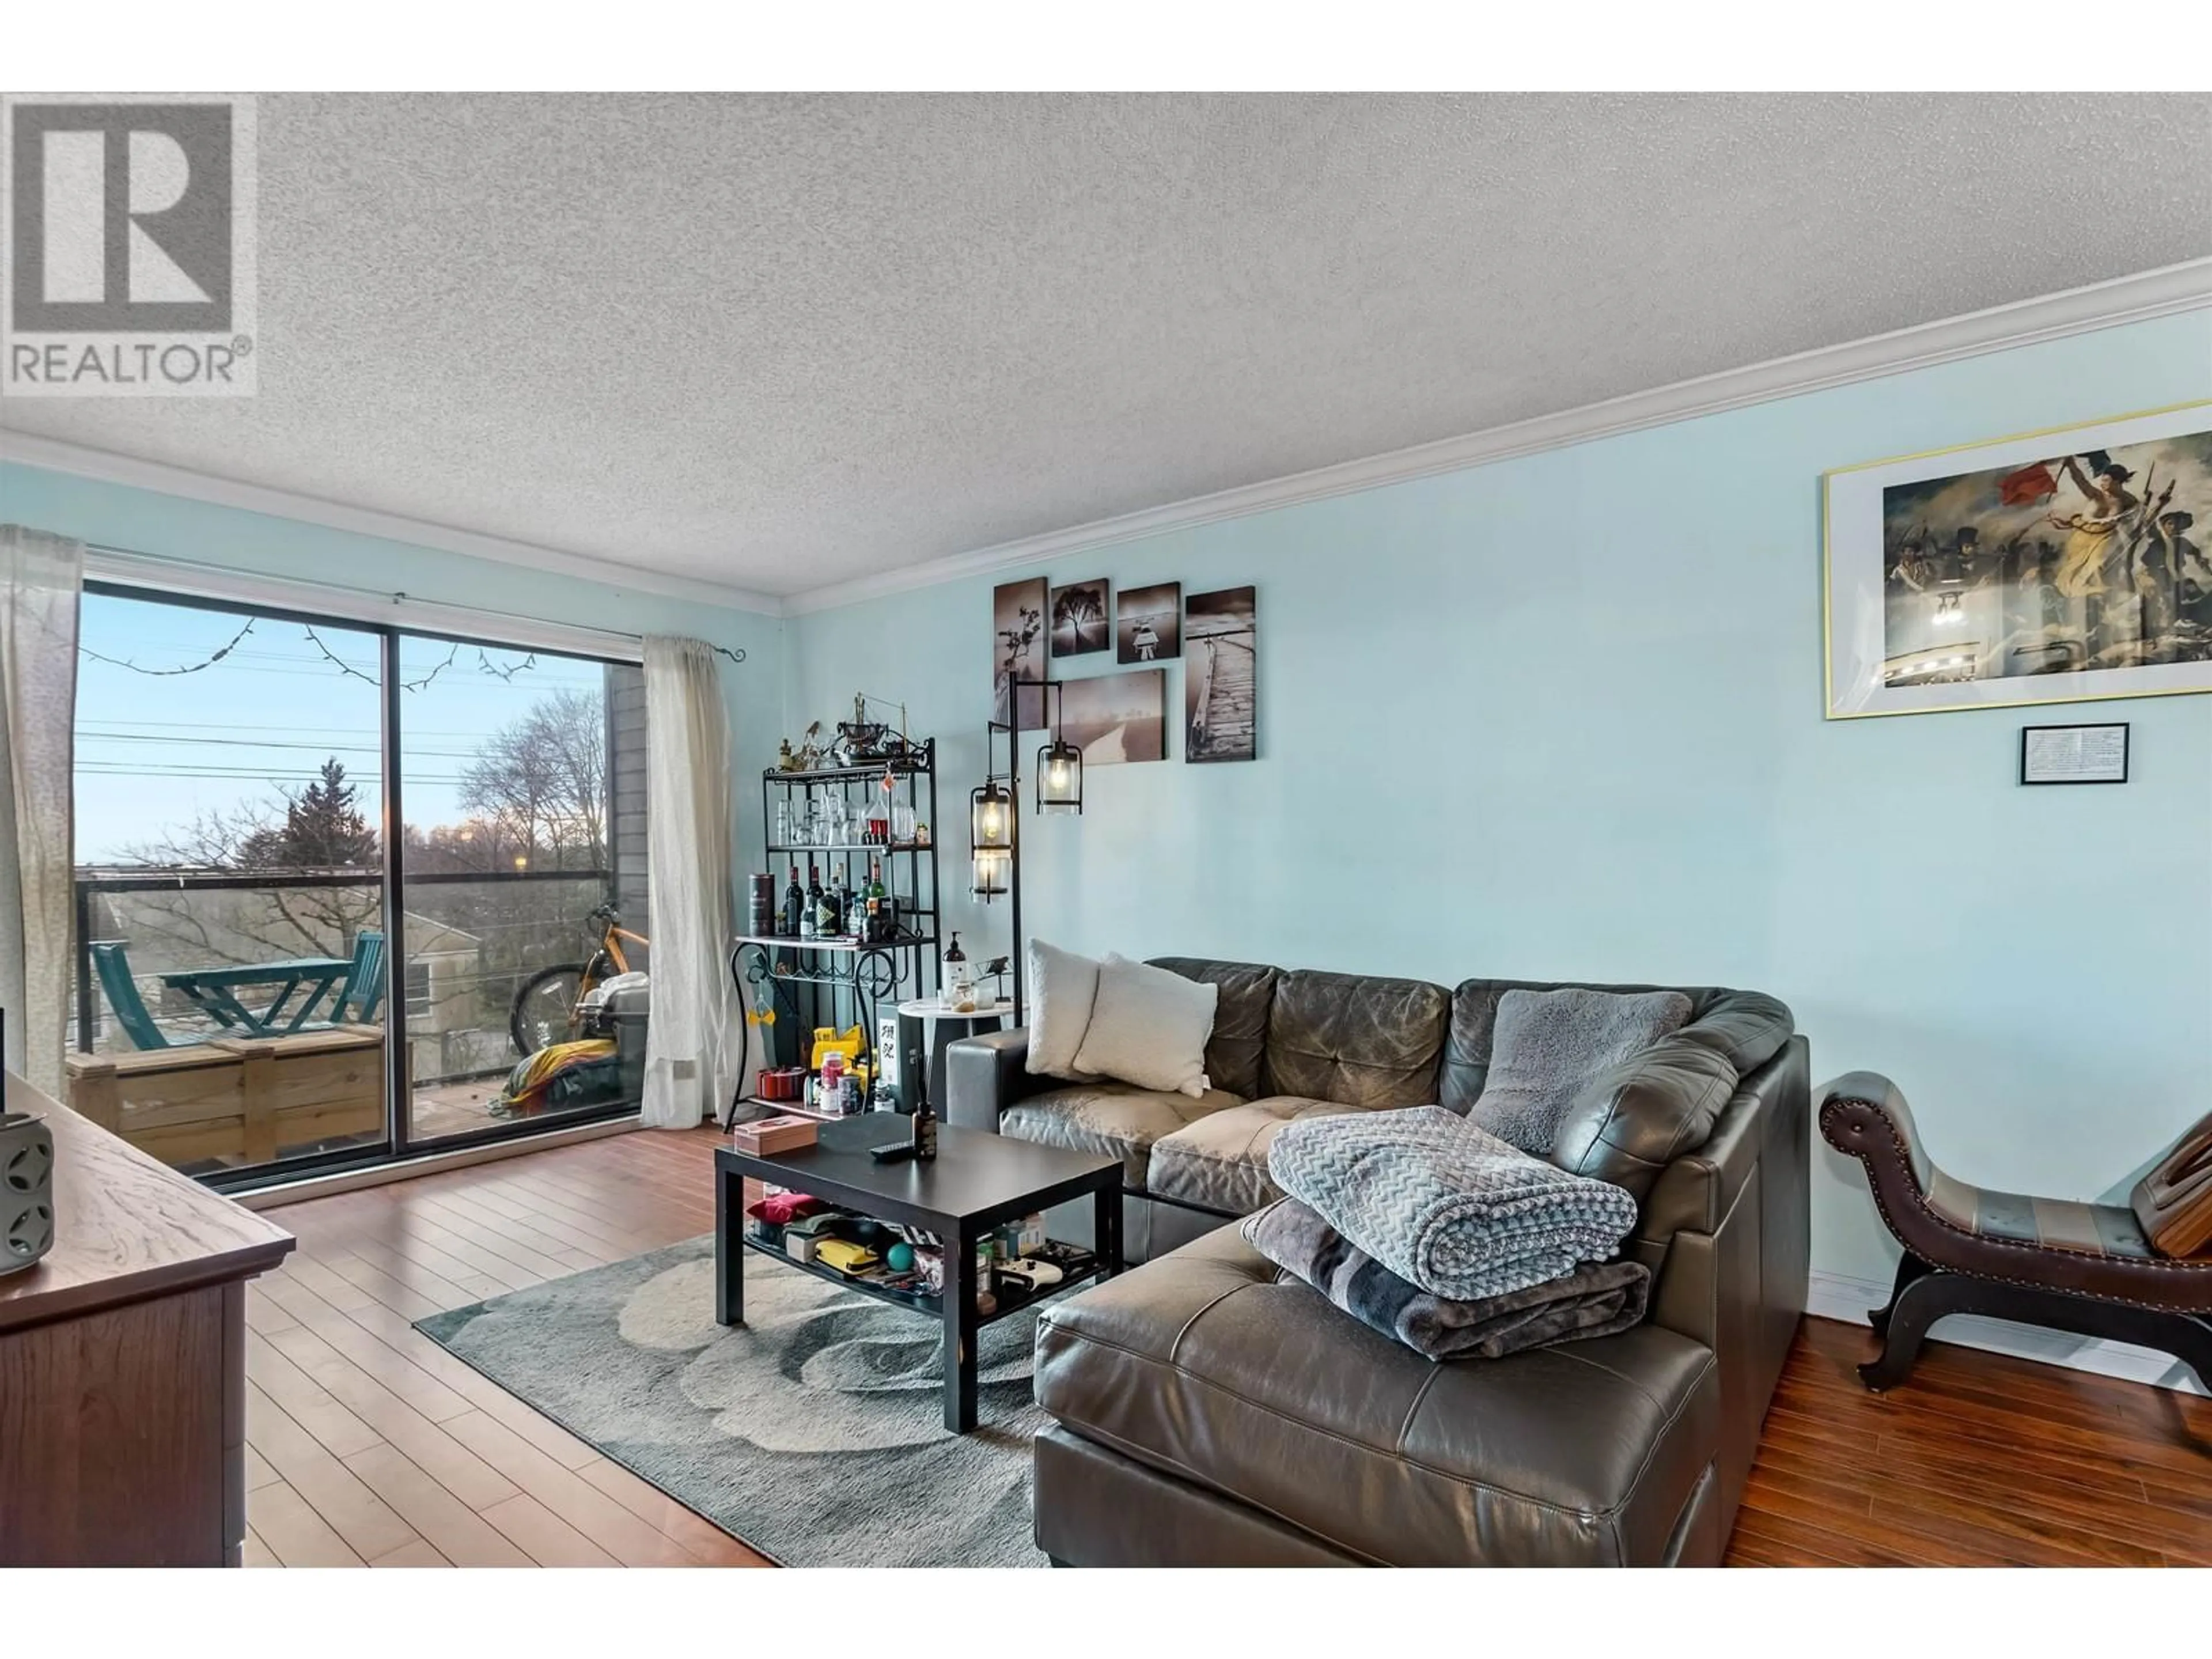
(1079,622)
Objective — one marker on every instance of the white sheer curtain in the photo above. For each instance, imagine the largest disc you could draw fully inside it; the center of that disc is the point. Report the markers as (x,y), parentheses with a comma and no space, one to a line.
(40,577)
(691,1045)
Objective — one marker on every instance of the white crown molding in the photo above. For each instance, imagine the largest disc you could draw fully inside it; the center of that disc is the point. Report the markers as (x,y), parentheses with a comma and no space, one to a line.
(108,467)
(1840,1297)
(2172,289)
(2149,294)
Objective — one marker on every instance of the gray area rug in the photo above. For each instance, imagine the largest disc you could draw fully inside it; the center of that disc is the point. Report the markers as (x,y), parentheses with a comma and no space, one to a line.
(814,1433)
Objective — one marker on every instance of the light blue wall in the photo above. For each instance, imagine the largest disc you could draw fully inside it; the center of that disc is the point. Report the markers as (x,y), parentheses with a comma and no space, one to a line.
(170,526)
(1561,717)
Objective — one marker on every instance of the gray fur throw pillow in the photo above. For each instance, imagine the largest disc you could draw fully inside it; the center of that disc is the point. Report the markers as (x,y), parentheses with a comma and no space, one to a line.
(1547,1044)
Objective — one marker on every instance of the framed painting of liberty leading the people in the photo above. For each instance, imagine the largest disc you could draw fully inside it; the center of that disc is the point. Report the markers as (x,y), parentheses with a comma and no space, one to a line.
(2056,566)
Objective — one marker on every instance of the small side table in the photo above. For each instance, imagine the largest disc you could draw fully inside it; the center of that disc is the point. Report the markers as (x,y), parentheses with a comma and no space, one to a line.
(927,1024)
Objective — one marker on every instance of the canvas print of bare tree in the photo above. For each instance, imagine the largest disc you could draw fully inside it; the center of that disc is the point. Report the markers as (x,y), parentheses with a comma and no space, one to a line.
(1117,717)
(1018,649)
(1219,685)
(1080,619)
(1148,622)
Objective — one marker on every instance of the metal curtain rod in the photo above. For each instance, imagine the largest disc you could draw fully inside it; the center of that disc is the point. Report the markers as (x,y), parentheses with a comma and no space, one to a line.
(391,596)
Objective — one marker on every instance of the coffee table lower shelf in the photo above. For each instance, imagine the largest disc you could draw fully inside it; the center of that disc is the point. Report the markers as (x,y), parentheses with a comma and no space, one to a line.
(1009,1302)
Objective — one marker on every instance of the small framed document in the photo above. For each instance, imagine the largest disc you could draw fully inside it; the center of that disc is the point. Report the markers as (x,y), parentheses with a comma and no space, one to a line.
(2074,754)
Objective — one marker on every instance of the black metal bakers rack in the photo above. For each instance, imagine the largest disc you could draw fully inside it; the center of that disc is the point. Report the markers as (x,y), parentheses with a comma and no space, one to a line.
(809,983)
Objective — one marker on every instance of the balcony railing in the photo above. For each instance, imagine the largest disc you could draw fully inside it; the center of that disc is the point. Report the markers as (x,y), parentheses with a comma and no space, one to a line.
(470,938)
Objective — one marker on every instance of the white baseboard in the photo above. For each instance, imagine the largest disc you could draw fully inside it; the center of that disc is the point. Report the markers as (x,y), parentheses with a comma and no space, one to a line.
(383,1175)
(1837,1296)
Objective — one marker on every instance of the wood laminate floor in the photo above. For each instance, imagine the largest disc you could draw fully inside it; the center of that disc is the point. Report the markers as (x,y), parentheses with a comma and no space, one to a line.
(369,1444)
(1976,1460)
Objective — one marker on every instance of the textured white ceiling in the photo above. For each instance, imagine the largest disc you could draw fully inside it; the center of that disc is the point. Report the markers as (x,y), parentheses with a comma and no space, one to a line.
(778,342)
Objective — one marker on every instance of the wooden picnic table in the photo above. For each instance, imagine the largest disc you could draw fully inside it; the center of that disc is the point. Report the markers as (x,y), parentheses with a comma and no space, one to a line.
(214,992)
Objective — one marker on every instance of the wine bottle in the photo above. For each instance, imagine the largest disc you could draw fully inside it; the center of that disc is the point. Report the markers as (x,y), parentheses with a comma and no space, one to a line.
(794,902)
(810,918)
(870,928)
(825,911)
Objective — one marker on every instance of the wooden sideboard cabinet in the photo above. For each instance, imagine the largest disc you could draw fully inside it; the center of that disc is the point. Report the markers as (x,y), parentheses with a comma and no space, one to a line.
(123,1362)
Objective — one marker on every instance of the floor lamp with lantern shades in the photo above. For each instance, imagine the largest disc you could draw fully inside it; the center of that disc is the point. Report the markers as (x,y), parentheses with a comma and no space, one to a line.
(994,809)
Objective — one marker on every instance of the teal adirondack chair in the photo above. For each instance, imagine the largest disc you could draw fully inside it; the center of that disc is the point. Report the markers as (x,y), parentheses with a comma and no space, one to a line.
(111,961)
(363,993)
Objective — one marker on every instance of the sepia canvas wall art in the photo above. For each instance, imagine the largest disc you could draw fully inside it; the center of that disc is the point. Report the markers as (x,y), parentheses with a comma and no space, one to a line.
(1113,718)
(2056,566)
(1017,610)
(1080,621)
(1148,622)
(1220,677)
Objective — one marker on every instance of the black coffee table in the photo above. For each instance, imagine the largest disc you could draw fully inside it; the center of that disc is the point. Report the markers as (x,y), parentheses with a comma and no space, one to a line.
(977,1181)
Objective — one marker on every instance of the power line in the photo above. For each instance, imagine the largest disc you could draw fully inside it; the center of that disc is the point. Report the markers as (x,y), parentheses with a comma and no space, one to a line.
(136,725)
(325,746)
(252,774)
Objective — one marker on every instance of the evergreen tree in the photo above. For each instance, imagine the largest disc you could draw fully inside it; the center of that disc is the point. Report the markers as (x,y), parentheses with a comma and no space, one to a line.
(323,828)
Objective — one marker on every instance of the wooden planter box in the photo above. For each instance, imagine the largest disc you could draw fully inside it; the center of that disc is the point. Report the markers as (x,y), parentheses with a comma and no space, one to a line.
(242,1100)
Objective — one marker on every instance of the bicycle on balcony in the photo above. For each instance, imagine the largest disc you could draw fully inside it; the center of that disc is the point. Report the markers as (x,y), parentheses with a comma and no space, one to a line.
(550,1006)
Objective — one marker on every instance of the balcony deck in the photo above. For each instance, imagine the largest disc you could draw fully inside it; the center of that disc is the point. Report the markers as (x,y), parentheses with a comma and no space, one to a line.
(214,1100)
(232,1102)
(238,1100)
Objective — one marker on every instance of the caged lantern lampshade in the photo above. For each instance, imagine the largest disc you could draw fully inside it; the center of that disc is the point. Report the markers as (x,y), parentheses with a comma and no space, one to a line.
(994,868)
(1060,777)
(991,836)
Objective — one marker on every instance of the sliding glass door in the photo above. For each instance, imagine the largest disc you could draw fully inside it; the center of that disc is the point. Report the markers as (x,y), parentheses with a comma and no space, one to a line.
(510,767)
(343,892)
(229,885)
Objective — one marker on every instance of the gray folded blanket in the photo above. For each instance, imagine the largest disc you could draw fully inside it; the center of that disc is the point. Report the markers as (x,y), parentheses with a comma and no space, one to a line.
(1458,1211)
(1594,1300)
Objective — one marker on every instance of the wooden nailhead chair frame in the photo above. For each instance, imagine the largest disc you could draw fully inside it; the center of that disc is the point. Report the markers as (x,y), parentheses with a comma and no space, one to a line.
(2087,1269)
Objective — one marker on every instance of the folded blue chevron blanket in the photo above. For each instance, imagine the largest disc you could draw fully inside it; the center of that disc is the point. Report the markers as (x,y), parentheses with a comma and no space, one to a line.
(1449,1206)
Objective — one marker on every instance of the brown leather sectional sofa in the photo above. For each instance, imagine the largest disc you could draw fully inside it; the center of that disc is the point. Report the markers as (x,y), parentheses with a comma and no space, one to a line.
(1207,1414)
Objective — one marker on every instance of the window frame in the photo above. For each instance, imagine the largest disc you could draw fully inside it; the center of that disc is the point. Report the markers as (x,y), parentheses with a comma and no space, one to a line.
(400,1143)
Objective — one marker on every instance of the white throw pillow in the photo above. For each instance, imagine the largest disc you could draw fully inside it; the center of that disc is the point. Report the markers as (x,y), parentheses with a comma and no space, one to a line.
(1062,987)
(1149,1027)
